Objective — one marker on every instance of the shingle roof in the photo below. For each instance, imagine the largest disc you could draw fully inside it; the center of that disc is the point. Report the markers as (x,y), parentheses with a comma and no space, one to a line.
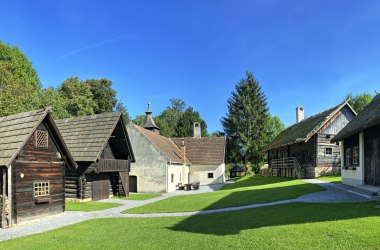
(367,118)
(15,131)
(305,129)
(86,136)
(207,150)
(164,145)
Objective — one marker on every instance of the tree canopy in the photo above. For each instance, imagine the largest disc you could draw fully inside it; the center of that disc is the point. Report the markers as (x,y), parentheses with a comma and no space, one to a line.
(358,102)
(177,120)
(19,84)
(248,124)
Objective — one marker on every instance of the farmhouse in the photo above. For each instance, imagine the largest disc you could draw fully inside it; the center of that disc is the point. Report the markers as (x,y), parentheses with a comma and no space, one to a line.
(162,163)
(100,145)
(304,149)
(360,147)
(33,158)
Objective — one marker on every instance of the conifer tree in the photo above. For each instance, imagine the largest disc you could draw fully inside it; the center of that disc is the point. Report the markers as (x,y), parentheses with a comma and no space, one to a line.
(246,122)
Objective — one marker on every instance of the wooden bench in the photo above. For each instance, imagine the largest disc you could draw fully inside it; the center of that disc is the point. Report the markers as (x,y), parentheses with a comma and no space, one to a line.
(195,185)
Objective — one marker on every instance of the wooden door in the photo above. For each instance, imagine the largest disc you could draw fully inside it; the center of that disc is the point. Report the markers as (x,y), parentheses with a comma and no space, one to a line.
(372,159)
(100,186)
(133,184)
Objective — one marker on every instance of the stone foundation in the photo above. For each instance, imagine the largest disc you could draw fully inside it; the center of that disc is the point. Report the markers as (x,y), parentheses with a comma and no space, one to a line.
(313,172)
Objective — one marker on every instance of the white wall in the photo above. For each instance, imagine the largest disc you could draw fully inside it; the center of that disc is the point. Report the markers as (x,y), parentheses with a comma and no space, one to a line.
(179,173)
(199,173)
(354,177)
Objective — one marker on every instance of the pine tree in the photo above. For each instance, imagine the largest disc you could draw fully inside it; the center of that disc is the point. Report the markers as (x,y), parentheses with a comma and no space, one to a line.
(246,122)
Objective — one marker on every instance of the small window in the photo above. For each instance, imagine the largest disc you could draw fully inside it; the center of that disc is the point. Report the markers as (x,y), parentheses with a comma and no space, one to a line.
(355,155)
(41,188)
(328,151)
(210,175)
(172,178)
(180,177)
(41,139)
(348,156)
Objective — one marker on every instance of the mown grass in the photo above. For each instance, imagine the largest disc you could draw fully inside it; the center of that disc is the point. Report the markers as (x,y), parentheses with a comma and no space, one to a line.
(137,197)
(89,206)
(331,178)
(288,226)
(245,191)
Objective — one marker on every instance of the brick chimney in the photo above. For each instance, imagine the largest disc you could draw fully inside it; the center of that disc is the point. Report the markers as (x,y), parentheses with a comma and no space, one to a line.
(197,130)
(300,114)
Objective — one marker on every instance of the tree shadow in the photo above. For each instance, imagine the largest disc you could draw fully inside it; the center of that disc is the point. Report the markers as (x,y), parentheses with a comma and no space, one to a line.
(258,180)
(230,223)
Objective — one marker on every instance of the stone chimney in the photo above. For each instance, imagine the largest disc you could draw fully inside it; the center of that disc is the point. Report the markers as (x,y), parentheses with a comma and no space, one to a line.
(197,130)
(300,114)
(183,151)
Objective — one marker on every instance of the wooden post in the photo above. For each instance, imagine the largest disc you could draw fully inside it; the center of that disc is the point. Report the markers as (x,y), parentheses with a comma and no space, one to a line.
(10,212)
(3,199)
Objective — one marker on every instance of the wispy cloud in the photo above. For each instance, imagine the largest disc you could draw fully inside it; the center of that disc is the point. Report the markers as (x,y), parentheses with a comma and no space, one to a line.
(94,45)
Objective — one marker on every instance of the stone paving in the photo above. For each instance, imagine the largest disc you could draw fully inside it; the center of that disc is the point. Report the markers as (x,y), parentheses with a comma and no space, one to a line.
(334,193)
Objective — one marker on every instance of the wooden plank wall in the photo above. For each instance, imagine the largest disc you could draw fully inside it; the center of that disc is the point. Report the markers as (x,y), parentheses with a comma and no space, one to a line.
(37,164)
(372,156)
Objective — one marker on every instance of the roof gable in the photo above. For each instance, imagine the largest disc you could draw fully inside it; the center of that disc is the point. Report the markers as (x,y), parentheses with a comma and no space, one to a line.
(305,129)
(205,150)
(86,136)
(165,145)
(15,131)
(367,118)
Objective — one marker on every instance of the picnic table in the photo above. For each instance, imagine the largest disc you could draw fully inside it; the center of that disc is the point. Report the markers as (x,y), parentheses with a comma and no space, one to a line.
(188,187)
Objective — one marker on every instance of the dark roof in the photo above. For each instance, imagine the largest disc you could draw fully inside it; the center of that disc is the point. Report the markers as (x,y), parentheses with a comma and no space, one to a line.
(367,118)
(149,122)
(206,150)
(163,144)
(86,136)
(237,168)
(305,129)
(15,131)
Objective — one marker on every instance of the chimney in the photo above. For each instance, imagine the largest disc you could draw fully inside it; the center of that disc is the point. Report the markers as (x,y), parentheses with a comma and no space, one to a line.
(197,130)
(300,114)
(183,151)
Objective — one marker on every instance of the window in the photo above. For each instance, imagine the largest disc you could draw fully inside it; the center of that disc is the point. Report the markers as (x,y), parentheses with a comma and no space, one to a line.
(355,155)
(328,151)
(41,188)
(180,177)
(348,157)
(172,178)
(41,139)
(210,175)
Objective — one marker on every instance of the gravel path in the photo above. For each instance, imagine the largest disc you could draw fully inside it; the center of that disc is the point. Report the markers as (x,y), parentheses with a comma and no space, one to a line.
(334,193)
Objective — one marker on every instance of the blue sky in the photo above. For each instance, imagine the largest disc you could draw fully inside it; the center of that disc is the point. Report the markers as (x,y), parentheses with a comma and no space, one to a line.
(309,53)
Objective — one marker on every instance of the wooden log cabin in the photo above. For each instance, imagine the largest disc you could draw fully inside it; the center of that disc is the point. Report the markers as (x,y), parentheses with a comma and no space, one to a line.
(304,150)
(101,147)
(360,148)
(33,159)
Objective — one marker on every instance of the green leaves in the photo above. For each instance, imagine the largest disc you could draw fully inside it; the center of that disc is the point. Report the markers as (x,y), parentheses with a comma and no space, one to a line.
(358,102)
(248,124)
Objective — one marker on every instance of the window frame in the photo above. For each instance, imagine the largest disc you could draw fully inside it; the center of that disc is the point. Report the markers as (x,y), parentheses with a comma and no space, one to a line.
(355,155)
(208,175)
(348,157)
(330,148)
(46,191)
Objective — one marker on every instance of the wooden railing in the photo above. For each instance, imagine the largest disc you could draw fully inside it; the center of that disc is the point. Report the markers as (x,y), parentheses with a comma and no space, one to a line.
(111,165)
(288,167)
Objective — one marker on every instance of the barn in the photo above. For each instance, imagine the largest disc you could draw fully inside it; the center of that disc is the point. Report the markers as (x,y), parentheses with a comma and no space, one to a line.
(33,159)
(100,146)
(360,147)
(304,149)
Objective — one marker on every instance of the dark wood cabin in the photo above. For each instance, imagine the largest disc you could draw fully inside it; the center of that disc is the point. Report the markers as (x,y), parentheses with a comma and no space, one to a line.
(100,145)
(304,150)
(33,159)
(360,142)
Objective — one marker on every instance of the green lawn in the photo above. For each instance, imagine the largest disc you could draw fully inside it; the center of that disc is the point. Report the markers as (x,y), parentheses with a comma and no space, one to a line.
(247,190)
(331,178)
(140,197)
(288,226)
(89,206)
